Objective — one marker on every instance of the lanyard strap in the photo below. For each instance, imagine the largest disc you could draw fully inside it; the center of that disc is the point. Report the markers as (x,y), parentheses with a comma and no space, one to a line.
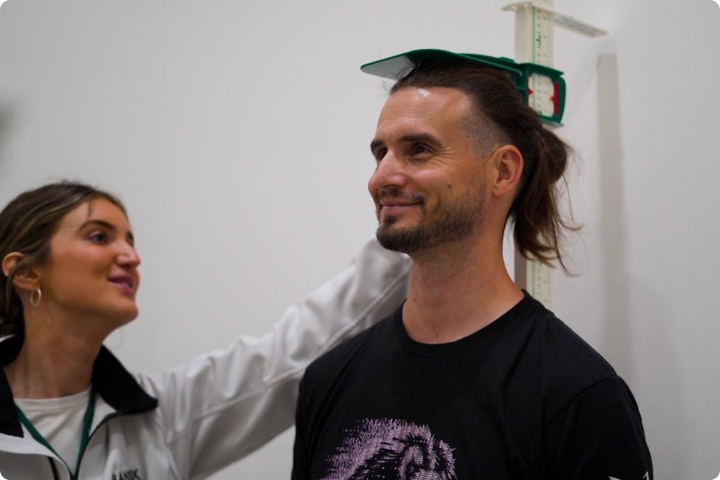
(87,423)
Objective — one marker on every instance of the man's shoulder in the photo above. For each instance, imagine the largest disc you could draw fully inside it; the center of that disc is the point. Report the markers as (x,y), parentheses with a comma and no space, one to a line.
(567,363)
(570,352)
(555,341)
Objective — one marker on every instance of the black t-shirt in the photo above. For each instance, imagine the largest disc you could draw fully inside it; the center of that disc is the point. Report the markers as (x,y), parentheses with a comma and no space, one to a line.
(523,398)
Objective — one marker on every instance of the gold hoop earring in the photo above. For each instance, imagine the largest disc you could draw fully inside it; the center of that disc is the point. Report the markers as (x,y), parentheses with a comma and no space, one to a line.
(33,302)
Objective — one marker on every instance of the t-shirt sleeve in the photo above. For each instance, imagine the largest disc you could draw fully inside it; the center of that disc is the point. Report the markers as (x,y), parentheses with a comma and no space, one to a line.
(599,436)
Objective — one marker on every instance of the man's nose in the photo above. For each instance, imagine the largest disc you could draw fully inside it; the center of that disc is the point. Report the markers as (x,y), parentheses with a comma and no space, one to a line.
(390,172)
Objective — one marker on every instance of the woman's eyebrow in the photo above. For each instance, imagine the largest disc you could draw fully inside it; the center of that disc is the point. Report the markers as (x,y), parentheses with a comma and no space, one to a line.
(101,223)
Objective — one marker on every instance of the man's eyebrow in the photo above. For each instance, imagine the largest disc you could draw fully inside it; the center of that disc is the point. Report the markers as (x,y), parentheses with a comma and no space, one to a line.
(409,138)
(375,144)
(107,225)
(419,137)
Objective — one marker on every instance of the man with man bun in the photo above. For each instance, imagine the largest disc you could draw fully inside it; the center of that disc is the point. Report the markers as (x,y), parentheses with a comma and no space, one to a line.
(471,378)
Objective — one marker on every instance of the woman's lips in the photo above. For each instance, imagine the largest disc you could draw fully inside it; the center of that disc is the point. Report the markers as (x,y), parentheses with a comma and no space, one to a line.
(125,284)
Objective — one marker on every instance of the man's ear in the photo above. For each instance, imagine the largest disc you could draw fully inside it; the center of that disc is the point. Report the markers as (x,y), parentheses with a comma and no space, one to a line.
(508,167)
(26,277)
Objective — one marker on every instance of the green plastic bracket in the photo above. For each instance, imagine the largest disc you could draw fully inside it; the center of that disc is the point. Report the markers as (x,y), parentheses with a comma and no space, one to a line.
(396,66)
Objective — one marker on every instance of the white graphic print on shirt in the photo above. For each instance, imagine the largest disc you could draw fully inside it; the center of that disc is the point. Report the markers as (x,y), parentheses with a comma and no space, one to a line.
(391,449)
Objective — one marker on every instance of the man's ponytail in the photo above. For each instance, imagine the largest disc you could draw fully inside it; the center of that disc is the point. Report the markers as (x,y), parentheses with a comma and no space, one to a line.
(539,224)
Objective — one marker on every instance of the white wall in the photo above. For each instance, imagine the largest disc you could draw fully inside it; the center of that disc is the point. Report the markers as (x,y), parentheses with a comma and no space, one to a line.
(237,134)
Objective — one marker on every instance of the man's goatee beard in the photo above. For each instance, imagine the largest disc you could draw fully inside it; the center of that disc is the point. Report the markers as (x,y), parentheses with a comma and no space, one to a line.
(452,224)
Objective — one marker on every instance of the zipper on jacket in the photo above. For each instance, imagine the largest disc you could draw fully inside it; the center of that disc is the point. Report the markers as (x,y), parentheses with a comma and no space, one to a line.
(54,470)
(102,422)
(82,454)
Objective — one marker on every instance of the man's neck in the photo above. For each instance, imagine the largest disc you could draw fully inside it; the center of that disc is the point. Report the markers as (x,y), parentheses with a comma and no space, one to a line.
(457,290)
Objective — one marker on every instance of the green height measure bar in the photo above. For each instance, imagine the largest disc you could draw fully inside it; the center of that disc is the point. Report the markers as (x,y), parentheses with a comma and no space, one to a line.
(534,43)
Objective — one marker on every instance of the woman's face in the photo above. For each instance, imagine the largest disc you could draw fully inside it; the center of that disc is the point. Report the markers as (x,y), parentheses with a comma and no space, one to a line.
(92,269)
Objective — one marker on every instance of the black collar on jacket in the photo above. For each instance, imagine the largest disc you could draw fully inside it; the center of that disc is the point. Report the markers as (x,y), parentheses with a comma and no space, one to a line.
(110,379)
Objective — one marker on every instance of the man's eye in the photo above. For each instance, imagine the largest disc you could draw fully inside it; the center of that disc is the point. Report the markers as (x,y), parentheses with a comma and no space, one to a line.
(419,150)
(380,154)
